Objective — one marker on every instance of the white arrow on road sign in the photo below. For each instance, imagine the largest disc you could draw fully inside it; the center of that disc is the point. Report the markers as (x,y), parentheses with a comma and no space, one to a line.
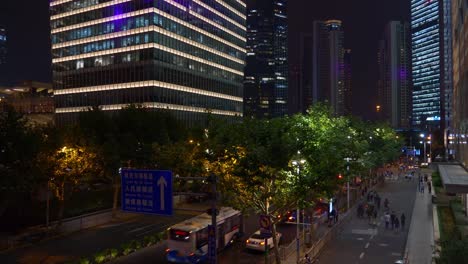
(162,183)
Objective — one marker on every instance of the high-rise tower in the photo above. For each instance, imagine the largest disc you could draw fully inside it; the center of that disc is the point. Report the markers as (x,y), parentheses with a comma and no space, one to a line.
(3,53)
(266,71)
(186,56)
(328,62)
(394,77)
(430,58)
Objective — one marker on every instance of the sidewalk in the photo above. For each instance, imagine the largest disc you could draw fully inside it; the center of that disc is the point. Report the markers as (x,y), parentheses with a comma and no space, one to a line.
(421,233)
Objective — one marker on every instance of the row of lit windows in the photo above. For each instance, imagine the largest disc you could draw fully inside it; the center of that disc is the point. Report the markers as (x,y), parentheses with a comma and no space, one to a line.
(145,93)
(162,19)
(153,37)
(158,55)
(155,105)
(165,8)
(158,30)
(138,71)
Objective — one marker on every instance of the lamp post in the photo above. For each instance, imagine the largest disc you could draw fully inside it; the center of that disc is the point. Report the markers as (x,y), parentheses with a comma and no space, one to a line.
(429,141)
(347,182)
(297,164)
(424,143)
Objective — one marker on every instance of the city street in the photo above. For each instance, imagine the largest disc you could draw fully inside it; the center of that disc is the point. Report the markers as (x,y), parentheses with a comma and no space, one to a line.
(361,242)
(235,254)
(91,241)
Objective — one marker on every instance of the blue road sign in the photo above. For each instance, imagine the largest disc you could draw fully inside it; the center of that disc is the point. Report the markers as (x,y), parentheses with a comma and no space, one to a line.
(147,191)
(211,244)
(265,224)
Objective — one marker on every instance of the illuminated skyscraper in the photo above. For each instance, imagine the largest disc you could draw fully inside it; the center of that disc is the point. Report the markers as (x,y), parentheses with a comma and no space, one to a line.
(3,53)
(329,66)
(186,56)
(266,72)
(459,135)
(348,87)
(394,94)
(430,58)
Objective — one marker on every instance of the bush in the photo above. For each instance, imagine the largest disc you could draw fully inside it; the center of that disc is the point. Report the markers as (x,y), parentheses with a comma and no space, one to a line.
(127,248)
(436,180)
(113,253)
(454,252)
(100,257)
(84,261)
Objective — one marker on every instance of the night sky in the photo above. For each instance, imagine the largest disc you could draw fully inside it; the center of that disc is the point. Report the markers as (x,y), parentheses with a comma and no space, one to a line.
(27,22)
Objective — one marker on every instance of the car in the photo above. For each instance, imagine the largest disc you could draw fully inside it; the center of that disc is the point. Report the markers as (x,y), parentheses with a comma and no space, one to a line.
(257,241)
(424,165)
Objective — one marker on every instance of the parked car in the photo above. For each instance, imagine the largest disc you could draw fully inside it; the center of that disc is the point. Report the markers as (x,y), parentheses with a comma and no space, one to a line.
(257,241)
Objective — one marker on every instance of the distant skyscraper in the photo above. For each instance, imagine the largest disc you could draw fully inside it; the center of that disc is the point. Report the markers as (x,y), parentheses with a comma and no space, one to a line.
(186,56)
(394,77)
(328,63)
(430,54)
(459,135)
(266,71)
(348,88)
(3,53)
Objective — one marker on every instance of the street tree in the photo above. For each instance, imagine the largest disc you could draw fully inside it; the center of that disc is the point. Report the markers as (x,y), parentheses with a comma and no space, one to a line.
(70,168)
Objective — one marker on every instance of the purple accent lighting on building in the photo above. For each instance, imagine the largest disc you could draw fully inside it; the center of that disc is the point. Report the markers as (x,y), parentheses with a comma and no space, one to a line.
(403,74)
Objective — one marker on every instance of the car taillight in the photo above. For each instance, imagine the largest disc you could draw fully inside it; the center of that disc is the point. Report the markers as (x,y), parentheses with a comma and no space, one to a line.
(262,243)
(248,241)
(167,250)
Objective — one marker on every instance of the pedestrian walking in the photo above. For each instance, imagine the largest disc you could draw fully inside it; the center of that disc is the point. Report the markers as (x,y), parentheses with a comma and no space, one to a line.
(397,224)
(402,221)
(429,187)
(425,177)
(392,219)
(387,220)
(386,203)
(422,187)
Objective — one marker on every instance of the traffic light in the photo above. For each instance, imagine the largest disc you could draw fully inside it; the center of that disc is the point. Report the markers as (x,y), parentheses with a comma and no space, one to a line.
(340,176)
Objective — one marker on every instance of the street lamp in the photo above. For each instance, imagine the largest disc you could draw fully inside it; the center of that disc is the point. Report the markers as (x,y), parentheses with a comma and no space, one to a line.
(347,182)
(424,142)
(298,164)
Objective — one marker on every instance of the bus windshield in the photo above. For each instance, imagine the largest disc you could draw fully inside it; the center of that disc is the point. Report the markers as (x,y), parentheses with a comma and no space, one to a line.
(179,235)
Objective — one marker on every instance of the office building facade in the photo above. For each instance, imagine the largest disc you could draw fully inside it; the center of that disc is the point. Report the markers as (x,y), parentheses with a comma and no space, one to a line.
(328,63)
(185,56)
(459,135)
(3,54)
(348,82)
(394,84)
(266,71)
(431,57)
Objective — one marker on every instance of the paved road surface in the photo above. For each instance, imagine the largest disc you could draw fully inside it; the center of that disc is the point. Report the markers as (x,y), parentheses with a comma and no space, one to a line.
(91,241)
(362,243)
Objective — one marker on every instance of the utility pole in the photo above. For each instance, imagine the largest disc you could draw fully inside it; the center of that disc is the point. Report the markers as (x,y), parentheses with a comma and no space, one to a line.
(213,255)
(347,183)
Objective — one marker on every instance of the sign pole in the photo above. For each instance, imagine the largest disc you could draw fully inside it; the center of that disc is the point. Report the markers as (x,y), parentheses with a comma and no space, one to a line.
(213,255)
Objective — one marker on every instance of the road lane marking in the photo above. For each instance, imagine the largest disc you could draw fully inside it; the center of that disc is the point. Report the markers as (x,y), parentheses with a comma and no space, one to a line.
(367,245)
(383,245)
(360,238)
(140,228)
(361,256)
(370,231)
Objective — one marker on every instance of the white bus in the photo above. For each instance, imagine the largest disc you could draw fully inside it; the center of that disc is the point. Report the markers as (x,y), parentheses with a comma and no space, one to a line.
(187,241)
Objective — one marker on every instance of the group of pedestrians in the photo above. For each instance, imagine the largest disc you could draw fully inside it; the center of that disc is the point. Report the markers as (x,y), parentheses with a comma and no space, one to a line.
(392,221)
(370,206)
(422,181)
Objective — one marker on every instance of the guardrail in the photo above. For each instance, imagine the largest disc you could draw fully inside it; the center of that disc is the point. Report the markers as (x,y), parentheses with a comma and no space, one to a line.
(69,225)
